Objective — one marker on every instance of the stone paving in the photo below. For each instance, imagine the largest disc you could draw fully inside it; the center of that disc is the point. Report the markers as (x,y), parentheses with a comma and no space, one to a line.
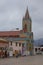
(29,60)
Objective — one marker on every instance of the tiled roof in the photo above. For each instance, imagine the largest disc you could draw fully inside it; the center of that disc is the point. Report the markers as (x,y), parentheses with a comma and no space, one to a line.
(9,33)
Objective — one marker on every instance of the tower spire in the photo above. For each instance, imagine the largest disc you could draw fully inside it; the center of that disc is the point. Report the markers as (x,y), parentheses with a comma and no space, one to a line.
(27,13)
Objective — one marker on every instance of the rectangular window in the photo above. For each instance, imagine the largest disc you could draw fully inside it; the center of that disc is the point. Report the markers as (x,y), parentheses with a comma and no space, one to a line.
(19,44)
(11,43)
(16,43)
(23,45)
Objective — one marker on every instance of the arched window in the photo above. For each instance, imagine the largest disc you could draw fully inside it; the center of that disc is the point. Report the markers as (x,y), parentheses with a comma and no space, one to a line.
(25,26)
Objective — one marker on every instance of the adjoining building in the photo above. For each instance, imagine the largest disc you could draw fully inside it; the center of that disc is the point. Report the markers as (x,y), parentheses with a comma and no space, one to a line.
(38,49)
(21,40)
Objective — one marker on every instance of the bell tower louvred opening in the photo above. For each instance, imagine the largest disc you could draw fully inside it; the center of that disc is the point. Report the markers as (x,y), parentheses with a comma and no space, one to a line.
(25,28)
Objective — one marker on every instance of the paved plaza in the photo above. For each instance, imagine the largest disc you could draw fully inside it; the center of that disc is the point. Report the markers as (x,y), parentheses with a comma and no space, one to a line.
(29,60)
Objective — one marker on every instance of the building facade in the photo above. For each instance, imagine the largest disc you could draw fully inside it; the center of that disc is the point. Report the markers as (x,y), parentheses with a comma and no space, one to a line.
(38,49)
(21,41)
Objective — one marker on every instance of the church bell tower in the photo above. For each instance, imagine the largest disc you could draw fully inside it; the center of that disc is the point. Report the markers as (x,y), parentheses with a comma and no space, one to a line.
(26,24)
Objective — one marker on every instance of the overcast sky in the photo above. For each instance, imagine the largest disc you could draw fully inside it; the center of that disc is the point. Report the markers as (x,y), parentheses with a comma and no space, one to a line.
(12,12)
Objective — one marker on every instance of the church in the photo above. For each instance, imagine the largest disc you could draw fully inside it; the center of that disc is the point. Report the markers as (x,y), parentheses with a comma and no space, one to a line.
(20,40)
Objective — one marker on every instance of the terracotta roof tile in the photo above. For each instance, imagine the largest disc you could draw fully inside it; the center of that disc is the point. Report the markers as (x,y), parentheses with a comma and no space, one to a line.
(9,33)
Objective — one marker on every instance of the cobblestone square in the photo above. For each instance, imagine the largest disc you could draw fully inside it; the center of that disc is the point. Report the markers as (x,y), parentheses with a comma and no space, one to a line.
(29,60)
